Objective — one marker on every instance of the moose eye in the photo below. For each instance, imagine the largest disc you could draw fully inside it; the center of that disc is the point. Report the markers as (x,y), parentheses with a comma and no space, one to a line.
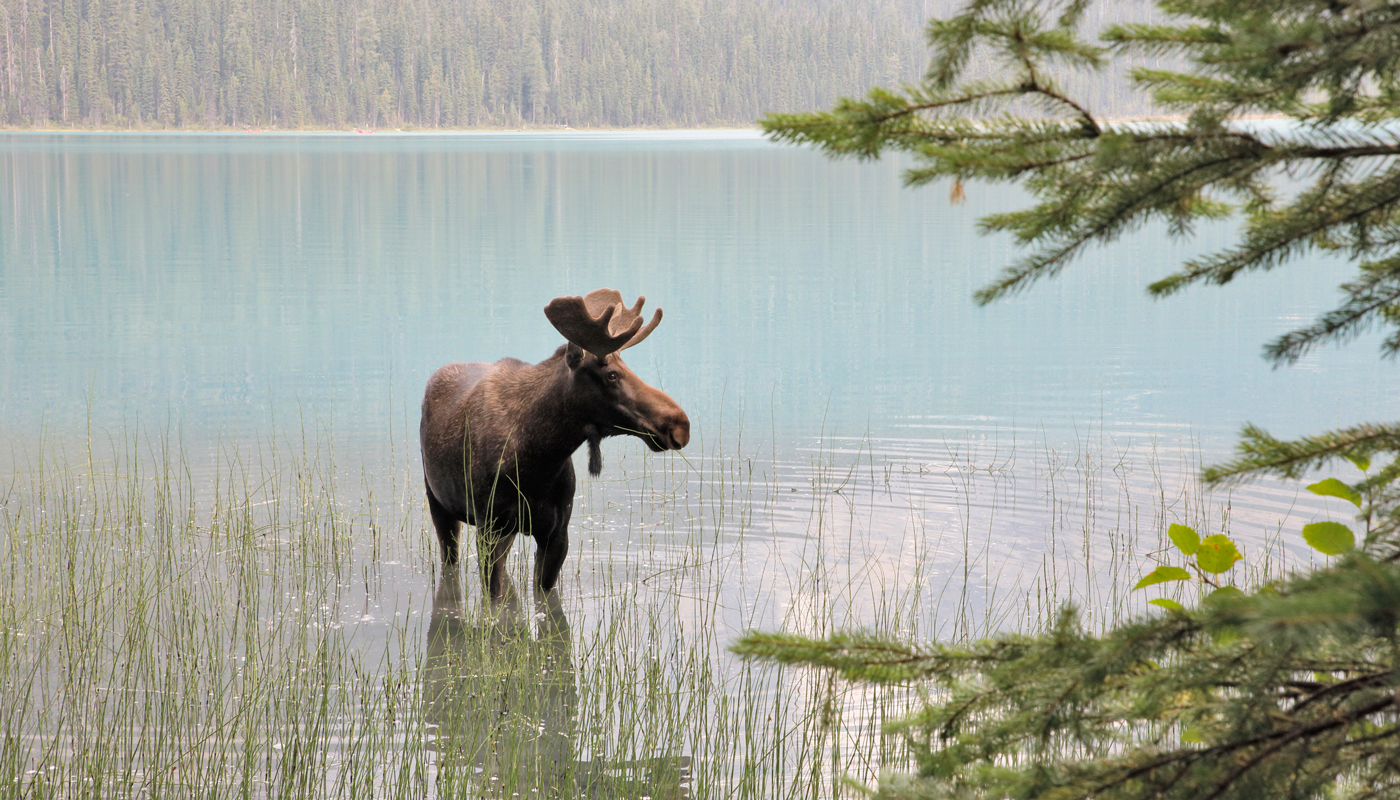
(612,377)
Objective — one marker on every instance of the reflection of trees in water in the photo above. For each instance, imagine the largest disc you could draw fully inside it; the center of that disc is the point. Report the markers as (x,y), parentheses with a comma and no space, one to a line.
(501,696)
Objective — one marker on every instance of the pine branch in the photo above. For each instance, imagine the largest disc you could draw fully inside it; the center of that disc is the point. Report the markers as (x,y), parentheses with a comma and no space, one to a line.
(1103,223)
(1006,712)
(1287,693)
(857,656)
(1265,455)
(1298,732)
(1274,237)
(1377,291)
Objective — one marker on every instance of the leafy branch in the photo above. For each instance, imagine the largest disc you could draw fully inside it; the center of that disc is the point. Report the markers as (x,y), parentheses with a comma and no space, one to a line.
(1284,691)
(1194,703)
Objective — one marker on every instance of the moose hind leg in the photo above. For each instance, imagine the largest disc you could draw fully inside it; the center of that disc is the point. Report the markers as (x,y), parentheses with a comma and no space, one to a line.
(549,558)
(448,527)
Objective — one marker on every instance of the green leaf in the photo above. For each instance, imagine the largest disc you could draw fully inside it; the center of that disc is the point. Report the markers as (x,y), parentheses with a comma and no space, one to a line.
(1335,488)
(1162,575)
(1185,538)
(1217,554)
(1223,593)
(1362,462)
(1170,605)
(1364,727)
(1192,735)
(1332,538)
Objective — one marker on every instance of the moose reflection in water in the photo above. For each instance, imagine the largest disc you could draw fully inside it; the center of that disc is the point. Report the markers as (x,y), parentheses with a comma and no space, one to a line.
(501,696)
(502,702)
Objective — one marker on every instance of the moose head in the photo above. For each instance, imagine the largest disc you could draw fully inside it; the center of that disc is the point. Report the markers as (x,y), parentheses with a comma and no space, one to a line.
(598,327)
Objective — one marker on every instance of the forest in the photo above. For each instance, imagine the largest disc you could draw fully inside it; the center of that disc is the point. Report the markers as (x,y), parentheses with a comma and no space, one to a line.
(449,64)
(455,64)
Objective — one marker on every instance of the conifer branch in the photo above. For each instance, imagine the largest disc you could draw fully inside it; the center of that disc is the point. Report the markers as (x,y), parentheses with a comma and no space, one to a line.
(1290,692)
(1285,738)
(1271,239)
(1265,455)
(1376,292)
(1103,226)
(1071,692)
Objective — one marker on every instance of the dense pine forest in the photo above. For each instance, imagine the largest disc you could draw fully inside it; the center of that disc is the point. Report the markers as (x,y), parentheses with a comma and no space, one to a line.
(295,64)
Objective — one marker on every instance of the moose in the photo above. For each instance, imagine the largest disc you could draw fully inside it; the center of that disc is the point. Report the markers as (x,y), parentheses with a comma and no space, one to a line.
(498,439)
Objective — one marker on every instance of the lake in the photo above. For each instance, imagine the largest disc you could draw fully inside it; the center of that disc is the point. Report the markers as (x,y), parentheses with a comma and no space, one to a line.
(227,285)
(856,419)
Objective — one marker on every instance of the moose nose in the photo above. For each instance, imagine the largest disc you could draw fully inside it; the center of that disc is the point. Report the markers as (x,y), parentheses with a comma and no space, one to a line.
(680,432)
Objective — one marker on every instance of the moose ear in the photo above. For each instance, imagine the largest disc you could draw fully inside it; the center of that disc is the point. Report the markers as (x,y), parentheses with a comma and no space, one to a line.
(573,356)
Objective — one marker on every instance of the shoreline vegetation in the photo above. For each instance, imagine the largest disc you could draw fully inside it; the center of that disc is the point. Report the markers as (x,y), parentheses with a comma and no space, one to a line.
(281,626)
(432,63)
(1282,690)
(412,130)
(478,64)
(716,128)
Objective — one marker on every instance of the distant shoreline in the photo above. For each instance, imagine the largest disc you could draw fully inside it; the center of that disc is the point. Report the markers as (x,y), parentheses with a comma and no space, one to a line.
(368,131)
(492,130)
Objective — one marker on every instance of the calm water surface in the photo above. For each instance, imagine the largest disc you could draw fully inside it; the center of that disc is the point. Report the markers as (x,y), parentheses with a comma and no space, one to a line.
(817,313)
(847,397)
(221,281)
(226,285)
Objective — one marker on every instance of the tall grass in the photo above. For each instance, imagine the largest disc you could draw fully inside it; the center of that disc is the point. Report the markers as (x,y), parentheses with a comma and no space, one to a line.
(233,624)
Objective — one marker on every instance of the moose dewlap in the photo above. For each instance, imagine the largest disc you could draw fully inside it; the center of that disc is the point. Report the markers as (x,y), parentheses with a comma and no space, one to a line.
(498,439)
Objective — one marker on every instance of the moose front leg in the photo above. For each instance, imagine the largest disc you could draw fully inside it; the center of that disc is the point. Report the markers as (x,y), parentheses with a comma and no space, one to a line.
(551,530)
(494,545)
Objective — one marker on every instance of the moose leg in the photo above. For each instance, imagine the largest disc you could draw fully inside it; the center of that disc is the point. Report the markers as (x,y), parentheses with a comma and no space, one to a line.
(495,546)
(552,536)
(447,529)
(549,557)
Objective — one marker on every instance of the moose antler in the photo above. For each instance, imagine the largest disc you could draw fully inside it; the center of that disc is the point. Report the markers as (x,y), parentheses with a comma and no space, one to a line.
(600,322)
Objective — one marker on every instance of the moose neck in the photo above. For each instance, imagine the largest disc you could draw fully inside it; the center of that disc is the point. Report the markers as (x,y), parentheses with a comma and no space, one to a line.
(558,422)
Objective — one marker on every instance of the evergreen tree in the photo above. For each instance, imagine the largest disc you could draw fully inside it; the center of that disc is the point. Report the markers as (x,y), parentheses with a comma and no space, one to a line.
(426,63)
(1290,692)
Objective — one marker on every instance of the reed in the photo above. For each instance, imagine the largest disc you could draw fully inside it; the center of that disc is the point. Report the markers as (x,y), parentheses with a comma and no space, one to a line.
(265,621)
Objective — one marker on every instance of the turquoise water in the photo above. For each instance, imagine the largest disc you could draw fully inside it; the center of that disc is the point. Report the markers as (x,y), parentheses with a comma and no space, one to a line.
(818,314)
(217,280)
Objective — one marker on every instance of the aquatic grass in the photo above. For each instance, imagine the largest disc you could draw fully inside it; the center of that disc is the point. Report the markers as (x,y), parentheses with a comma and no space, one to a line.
(227,623)
(156,646)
